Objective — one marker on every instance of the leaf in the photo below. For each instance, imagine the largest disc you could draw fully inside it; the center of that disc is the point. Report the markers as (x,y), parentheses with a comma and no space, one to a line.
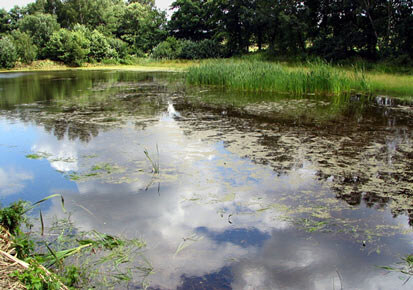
(42,223)
(45,199)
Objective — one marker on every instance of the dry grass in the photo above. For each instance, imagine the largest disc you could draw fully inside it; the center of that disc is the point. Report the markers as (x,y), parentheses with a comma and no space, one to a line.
(8,263)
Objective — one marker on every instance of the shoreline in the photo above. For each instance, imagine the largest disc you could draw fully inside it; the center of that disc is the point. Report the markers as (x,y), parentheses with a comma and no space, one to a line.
(392,85)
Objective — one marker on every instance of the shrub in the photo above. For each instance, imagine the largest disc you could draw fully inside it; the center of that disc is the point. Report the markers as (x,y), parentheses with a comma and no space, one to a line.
(26,50)
(171,48)
(71,47)
(119,47)
(8,53)
(99,47)
(40,27)
(206,48)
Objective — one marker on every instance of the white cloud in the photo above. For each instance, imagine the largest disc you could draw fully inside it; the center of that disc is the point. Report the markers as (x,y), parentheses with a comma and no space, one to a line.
(12,181)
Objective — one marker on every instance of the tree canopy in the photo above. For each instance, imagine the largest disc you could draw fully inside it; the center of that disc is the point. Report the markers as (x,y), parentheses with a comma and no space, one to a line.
(113,29)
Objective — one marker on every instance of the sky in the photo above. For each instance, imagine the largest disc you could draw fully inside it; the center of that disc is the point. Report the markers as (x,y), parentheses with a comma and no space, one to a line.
(7,4)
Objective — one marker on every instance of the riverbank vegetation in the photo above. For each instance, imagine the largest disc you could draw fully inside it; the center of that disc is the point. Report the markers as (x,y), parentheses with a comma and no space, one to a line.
(316,77)
(61,256)
(115,31)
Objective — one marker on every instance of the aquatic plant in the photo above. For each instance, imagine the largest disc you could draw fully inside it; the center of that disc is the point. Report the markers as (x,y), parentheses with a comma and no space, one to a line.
(154,162)
(39,261)
(318,78)
(405,267)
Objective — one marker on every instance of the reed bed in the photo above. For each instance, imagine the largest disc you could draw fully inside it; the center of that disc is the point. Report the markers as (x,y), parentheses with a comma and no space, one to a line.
(317,78)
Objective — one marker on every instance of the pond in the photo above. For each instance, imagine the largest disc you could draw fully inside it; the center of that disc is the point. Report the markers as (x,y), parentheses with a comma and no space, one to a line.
(228,190)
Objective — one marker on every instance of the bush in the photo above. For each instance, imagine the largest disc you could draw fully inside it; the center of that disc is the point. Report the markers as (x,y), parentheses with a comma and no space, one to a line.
(8,53)
(201,49)
(26,50)
(171,48)
(99,47)
(119,47)
(40,27)
(71,47)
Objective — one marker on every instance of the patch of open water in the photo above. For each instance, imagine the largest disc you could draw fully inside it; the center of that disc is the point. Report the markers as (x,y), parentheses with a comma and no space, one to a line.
(281,194)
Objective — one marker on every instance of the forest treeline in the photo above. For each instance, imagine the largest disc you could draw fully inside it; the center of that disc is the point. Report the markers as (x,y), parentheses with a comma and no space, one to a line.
(78,31)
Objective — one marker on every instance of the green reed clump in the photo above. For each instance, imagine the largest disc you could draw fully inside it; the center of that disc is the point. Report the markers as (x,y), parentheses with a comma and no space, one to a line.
(313,78)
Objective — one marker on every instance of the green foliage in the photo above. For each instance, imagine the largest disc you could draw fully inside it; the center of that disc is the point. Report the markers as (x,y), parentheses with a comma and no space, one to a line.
(142,26)
(171,48)
(193,20)
(12,217)
(36,278)
(119,47)
(71,47)
(26,50)
(99,47)
(72,276)
(41,28)
(8,52)
(68,242)
(5,26)
(316,78)
(201,49)
(23,245)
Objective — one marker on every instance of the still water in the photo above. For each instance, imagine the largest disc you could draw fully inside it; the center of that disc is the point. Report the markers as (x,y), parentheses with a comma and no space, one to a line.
(235,191)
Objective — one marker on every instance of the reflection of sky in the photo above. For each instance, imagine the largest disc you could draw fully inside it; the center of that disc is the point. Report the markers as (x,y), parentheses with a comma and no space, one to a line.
(206,202)
(23,178)
(207,205)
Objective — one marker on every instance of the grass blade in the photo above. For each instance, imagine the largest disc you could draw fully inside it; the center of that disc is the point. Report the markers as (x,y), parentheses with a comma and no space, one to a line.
(41,223)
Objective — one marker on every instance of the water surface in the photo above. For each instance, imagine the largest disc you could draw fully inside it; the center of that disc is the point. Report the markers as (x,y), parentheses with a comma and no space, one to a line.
(253,191)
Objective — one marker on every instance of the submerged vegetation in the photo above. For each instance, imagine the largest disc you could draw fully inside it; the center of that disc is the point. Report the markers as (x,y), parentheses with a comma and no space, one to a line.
(31,260)
(404,267)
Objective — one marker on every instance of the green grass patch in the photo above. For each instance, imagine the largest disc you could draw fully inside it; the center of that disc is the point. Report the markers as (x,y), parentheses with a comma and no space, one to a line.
(317,78)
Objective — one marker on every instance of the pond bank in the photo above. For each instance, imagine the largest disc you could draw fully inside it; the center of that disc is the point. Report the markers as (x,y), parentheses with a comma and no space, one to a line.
(343,79)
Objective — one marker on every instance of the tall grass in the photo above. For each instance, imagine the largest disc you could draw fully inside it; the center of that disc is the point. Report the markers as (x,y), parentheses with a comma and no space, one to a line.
(317,78)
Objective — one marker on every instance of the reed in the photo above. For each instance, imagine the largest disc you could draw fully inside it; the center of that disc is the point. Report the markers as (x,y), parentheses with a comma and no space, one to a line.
(317,78)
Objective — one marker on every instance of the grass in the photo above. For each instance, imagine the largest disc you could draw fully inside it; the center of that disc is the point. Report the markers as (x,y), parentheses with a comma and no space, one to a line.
(153,160)
(392,84)
(256,76)
(138,64)
(319,78)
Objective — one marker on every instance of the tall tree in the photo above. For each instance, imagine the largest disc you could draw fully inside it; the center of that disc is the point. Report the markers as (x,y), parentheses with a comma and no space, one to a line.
(192,20)
(142,26)
(40,27)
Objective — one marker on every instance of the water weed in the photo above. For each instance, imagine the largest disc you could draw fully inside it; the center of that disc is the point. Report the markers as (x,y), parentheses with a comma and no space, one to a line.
(153,160)
(62,256)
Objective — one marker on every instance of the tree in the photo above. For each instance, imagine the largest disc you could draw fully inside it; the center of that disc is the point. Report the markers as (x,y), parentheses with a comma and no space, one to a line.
(5,20)
(100,47)
(71,47)
(142,27)
(8,54)
(192,20)
(25,49)
(40,27)
(104,15)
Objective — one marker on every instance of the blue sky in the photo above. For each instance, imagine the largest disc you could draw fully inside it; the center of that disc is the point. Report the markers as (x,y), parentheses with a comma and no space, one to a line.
(7,4)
